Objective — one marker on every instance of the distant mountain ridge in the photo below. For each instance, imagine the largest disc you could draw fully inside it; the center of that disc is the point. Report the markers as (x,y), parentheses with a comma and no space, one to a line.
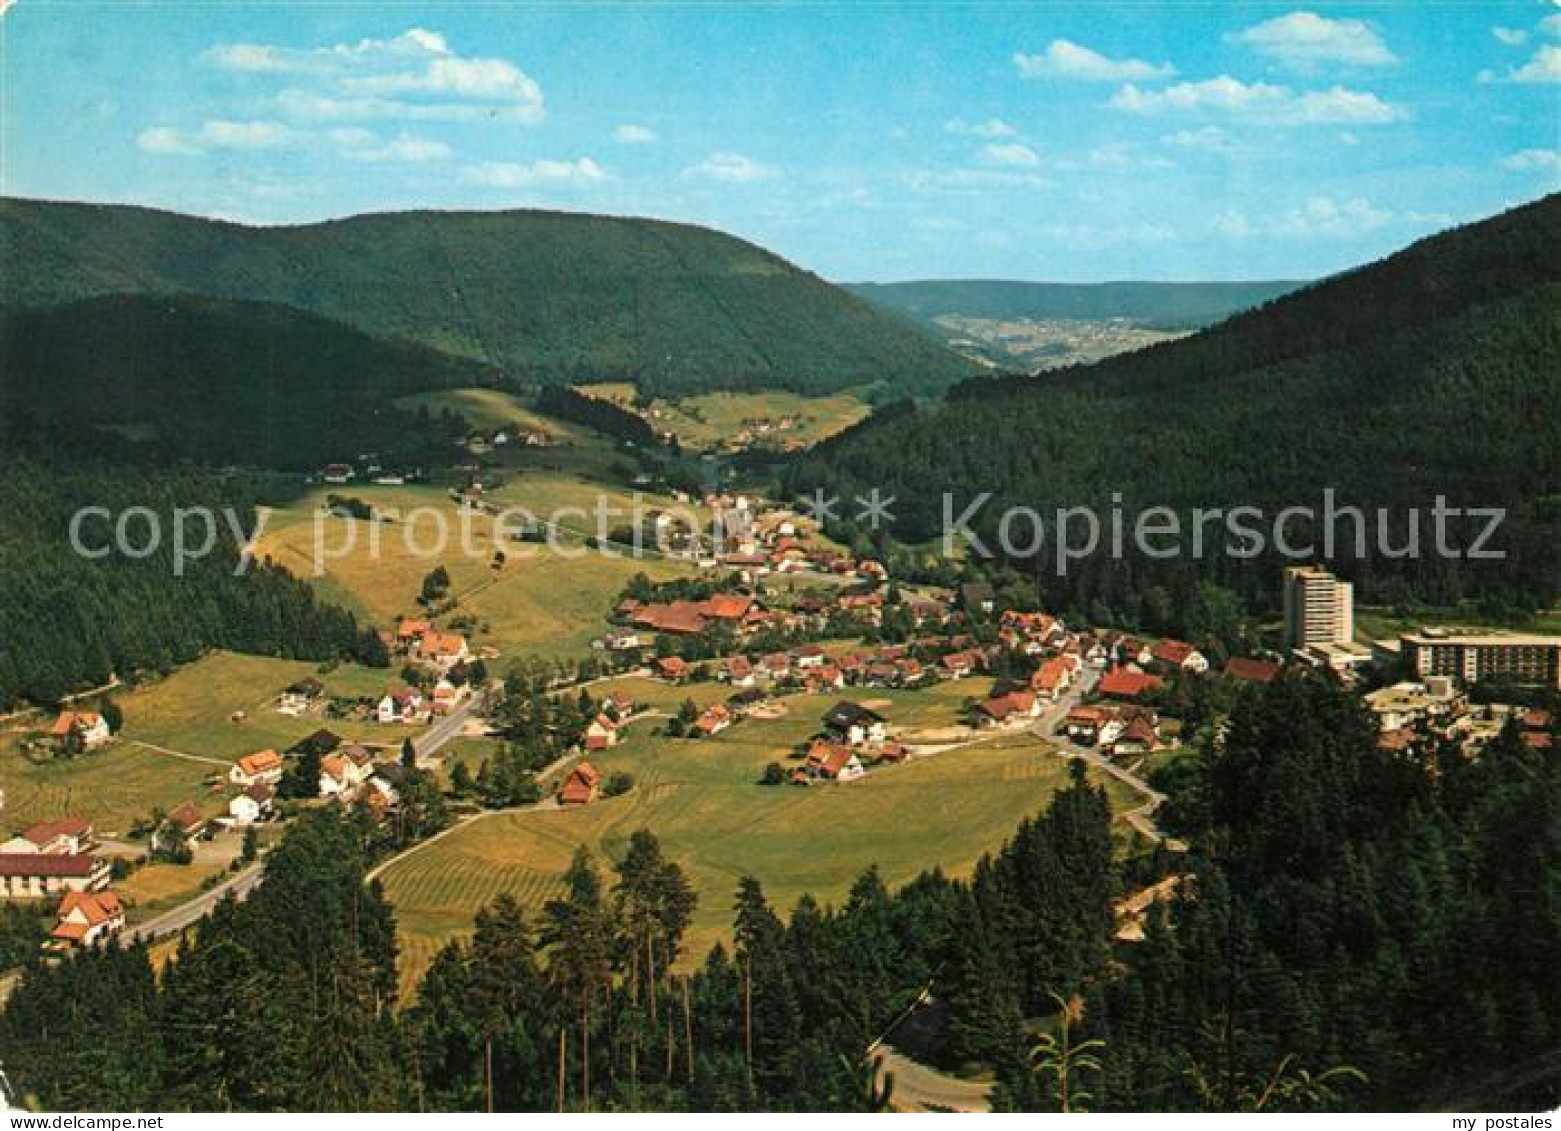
(1156,305)
(1436,371)
(536,296)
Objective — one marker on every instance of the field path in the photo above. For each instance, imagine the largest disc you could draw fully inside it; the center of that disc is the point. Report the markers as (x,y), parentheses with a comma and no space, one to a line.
(179,753)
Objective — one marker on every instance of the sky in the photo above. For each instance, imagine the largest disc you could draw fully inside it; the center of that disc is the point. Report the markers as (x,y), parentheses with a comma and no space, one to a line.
(866,141)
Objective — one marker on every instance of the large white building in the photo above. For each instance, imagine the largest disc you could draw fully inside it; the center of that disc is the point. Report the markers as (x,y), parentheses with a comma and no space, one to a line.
(1319,608)
(1471,657)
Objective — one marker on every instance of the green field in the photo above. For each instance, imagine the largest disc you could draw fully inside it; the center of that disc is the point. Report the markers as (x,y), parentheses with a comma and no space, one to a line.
(702,798)
(706,421)
(1383,624)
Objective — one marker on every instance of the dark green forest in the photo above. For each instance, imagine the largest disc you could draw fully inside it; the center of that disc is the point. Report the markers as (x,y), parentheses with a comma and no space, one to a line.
(543,297)
(74,622)
(1436,371)
(224,382)
(1355,930)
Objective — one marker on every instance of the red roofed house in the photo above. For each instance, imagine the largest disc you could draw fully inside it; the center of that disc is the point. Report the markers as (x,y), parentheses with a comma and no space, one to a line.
(832,762)
(261,766)
(67,836)
(36,875)
(680,618)
(1002,708)
(673,668)
(581,786)
(444,649)
(1181,655)
(404,706)
(738,671)
(601,734)
(88,728)
(409,632)
(715,719)
(1248,670)
(1051,678)
(1124,683)
(1085,723)
(85,917)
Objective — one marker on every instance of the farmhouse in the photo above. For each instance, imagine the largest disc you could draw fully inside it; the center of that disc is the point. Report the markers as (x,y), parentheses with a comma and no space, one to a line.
(1003,708)
(582,785)
(85,917)
(253,804)
(405,706)
(409,632)
(1126,683)
(1179,655)
(1246,670)
(67,836)
(298,698)
(87,729)
(35,875)
(854,724)
(342,774)
(1051,679)
(184,824)
(831,762)
(601,734)
(443,649)
(261,766)
(714,720)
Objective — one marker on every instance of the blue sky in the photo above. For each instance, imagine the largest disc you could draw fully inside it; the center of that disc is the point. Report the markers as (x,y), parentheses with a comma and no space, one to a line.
(1078,141)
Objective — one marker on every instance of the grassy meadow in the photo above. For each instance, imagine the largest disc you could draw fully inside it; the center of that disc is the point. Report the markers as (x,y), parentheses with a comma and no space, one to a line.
(704,800)
(708,420)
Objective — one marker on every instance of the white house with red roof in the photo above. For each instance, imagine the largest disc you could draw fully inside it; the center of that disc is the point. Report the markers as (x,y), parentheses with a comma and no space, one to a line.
(66,836)
(85,917)
(87,727)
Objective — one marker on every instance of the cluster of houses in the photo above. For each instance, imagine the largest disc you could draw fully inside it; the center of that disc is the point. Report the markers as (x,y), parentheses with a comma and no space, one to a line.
(851,732)
(1413,713)
(56,859)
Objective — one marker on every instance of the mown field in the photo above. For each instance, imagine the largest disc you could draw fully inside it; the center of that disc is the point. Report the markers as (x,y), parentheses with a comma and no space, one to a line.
(706,421)
(179,739)
(1384,624)
(702,798)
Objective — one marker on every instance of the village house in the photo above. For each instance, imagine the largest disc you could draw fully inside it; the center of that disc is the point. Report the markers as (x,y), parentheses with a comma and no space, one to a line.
(443,649)
(261,766)
(829,761)
(67,836)
(737,671)
(854,724)
(1137,735)
(338,473)
(713,720)
(38,875)
(1084,724)
(808,656)
(1244,669)
(409,632)
(620,704)
(775,666)
(253,804)
(601,733)
(1403,704)
(1051,678)
(1127,683)
(673,669)
(581,787)
(451,690)
(622,640)
(87,729)
(1178,655)
(1129,650)
(341,774)
(185,825)
(406,706)
(957,665)
(84,917)
(300,697)
(1016,705)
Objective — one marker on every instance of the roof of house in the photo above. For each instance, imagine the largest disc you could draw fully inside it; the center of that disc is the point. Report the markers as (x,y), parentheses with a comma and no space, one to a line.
(444,643)
(260,792)
(334,766)
(726,606)
(96,907)
(1123,683)
(25,864)
(74,720)
(682,617)
(260,762)
(846,714)
(186,817)
(1176,652)
(1251,670)
(45,831)
(673,665)
(410,629)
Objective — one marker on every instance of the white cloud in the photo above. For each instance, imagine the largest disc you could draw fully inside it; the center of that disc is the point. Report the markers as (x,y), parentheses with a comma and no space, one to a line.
(1011,155)
(1304,41)
(965,180)
(1511,36)
(992,127)
(630,134)
(1209,138)
(730,167)
(5,6)
(1259,101)
(405,148)
(1544,67)
(353,80)
(164,139)
(353,136)
(1321,217)
(508,174)
(219,134)
(1533,160)
(1551,25)
(1065,59)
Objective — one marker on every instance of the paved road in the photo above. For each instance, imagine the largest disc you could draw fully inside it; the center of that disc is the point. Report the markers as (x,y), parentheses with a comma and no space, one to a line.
(240,884)
(438,733)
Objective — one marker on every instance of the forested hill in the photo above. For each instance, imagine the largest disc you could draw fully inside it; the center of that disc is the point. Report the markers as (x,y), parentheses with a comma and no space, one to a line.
(1161,306)
(539,295)
(1437,370)
(219,381)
